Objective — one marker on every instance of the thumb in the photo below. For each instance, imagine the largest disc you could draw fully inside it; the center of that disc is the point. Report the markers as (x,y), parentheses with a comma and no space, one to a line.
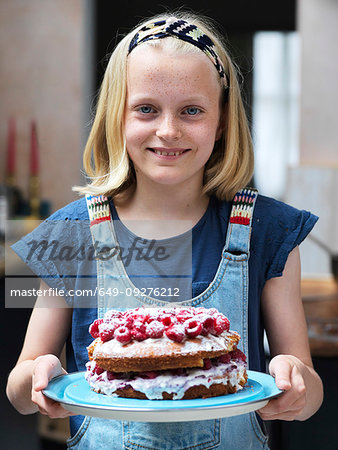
(47,367)
(281,369)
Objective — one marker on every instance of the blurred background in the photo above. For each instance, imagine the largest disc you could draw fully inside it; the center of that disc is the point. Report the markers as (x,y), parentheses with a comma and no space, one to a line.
(53,56)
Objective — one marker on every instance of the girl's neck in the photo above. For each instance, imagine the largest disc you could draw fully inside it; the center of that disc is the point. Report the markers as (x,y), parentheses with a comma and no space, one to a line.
(171,204)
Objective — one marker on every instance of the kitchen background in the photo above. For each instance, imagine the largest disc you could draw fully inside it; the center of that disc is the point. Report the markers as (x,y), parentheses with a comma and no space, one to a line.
(52,61)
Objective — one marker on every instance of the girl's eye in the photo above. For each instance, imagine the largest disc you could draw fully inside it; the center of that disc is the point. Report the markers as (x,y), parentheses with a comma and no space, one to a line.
(146,109)
(192,111)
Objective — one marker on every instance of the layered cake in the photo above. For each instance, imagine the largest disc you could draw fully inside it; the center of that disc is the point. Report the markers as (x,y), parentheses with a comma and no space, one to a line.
(165,353)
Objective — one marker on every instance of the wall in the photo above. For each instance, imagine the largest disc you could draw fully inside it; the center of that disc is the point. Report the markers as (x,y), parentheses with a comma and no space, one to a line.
(317,23)
(43,77)
(314,183)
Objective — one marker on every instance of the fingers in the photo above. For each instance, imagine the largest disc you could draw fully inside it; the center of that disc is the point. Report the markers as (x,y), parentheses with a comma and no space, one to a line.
(282,374)
(291,403)
(49,407)
(47,367)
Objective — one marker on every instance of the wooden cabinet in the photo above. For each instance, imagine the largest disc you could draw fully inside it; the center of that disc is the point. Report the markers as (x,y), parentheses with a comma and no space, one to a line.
(320,300)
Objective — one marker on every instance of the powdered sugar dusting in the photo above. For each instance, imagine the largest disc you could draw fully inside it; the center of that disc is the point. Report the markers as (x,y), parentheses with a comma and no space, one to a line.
(164,346)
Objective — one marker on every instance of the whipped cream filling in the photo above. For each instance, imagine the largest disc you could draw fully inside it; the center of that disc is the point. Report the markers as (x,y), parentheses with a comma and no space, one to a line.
(164,346)
(232,373)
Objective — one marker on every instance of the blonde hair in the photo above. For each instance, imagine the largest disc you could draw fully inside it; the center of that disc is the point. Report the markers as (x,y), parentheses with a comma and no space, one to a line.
(105,158)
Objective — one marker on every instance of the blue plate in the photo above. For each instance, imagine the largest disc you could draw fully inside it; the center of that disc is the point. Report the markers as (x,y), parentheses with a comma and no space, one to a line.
(74,393)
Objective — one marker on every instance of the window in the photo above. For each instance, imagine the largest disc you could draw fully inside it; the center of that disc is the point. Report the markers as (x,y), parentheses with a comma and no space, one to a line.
(275,109)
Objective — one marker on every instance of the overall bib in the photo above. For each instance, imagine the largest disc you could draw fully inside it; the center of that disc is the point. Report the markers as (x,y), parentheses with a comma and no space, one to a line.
(228,292)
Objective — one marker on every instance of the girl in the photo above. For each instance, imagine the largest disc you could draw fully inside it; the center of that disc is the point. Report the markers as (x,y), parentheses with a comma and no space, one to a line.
(170,145)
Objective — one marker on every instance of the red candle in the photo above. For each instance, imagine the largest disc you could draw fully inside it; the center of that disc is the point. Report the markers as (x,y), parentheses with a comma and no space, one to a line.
(10,169)
(34,155)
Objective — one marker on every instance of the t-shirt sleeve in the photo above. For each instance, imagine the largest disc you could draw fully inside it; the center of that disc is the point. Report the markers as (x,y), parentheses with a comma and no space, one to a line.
(54,249)
(283,227)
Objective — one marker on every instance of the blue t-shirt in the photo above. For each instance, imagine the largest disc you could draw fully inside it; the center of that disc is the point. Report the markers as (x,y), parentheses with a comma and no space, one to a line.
(60,251)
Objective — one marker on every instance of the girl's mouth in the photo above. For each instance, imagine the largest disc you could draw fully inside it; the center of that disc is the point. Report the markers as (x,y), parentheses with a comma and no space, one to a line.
(168,151)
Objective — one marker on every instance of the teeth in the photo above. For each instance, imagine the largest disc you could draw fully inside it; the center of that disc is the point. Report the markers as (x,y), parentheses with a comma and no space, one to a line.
(167,154)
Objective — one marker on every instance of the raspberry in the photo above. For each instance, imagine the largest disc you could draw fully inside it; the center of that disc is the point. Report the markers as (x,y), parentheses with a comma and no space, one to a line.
(238,355)
(193,328)
(94,328)
(112,315)
(199,310)
(150,374)
(129,322)
(115,323)
(122,334)
(178,372)
(139,326)
(221,324)
(206,364)
(138,335)
(224,359)
(183,315)
(155,329)
(98,370)
(208,324)
(138,332)
(175,333)
(111,376)
(153,315)
(168,320)
(107,332)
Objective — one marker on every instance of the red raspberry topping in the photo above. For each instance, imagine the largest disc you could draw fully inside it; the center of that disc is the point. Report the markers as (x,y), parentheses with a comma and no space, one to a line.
(176,323)
(199,310)
(184,315)
(155,329)
(179,371)
(193,328)
(168,320)
(94,328)
(122,334)
(206,364)
(112,315)
(150,375)
(111,376)
(98,370)
(175,333)
(107,332)
(116,323)
(208,324)
(139,326)
(239,355)
(224,359)
(221,324)
(138,332)
(138,335)
(129,322)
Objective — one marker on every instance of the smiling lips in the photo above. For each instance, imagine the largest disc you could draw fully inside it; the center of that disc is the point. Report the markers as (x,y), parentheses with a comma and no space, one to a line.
(168,151)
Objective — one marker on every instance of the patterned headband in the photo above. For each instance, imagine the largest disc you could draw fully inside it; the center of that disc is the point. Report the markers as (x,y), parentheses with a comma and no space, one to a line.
(183,30)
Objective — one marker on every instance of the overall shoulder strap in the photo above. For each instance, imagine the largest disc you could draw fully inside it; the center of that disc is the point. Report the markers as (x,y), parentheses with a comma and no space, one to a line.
(239,229)
(98,208)
(100,223)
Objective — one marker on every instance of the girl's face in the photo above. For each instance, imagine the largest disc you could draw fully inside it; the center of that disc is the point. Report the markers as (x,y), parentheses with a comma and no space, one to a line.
(172,115)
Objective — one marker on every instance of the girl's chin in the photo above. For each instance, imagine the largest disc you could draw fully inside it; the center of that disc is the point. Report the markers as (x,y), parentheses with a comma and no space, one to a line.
(169,179)
(169,176)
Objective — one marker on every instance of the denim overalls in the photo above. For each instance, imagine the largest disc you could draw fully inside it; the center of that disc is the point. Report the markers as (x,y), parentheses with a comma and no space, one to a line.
(228,292)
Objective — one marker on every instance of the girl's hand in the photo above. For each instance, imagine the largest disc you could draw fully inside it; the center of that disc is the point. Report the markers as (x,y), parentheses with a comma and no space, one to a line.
(47,367)
(288,373)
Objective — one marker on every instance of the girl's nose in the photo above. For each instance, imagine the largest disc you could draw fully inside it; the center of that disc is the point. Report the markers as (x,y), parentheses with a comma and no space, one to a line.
(168,128)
